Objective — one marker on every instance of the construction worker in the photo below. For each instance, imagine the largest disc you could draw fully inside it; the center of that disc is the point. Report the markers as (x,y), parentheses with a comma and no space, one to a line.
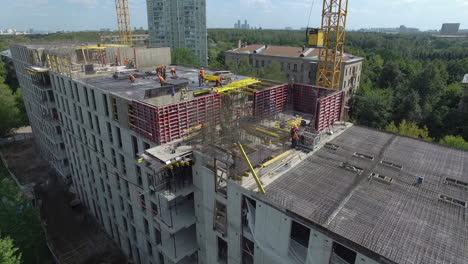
(173,71)
(294,136)
(201,79)
(164,71)
(127,62)
(115,75)
(132,78)
(219,81)
(161,80)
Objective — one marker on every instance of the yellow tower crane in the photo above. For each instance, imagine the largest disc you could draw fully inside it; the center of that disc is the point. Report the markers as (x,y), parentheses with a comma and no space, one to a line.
(123,19)
(330,38)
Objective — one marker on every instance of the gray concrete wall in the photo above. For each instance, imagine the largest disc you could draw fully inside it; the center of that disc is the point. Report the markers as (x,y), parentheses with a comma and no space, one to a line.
(146,57)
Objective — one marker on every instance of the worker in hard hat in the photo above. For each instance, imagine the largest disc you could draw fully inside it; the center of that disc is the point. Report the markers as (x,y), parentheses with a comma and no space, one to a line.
(201,79)
(127,62)
(219,81)
(294,136)
(161,79)
(132,78)
(173,71)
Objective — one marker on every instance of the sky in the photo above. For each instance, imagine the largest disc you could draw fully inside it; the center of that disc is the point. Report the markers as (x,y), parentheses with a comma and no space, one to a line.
(53,15)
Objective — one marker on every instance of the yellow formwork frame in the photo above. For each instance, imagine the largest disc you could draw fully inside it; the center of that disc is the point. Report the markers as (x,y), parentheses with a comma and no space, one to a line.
(254,174)
(232,86)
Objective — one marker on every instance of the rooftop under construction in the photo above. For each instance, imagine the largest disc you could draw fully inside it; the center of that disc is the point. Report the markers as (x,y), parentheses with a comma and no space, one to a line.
(395,198)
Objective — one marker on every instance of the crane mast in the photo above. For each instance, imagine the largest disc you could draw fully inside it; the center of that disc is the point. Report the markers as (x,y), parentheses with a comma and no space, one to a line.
(331,53)
(123,19)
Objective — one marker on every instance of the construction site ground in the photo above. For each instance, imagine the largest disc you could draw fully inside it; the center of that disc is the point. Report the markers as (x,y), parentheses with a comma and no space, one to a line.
(73,234)
(23,160)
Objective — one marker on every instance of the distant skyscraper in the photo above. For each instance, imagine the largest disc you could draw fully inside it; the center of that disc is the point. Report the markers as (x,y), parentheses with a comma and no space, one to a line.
(179,24)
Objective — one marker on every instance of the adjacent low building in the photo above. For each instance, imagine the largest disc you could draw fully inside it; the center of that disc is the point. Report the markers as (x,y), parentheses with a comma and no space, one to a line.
(299,63)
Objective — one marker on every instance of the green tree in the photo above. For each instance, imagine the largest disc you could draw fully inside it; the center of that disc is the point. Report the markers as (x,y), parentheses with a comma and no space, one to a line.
(391,75)
(8,253)
(372,109)
(8,110)
(243,68)
(454,141)
(184,56)
(273,72)
(409,129)
(22,114)
(20,221)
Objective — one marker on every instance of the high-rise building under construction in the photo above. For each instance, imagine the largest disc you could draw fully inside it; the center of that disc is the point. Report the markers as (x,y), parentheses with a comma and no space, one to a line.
(179,24)
(182,172)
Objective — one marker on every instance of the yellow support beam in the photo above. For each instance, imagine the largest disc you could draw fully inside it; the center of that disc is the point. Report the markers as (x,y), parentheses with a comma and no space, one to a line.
(294,122)
(281,129)
(231,86)
(254,174)
(267,132)
(274,159)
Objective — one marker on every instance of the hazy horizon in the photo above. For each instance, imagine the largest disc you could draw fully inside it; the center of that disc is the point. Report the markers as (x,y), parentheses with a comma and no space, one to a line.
(80,15)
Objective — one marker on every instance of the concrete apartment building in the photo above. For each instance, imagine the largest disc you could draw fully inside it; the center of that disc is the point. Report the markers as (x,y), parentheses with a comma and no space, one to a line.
(299,64)
(179,24)
(159,168)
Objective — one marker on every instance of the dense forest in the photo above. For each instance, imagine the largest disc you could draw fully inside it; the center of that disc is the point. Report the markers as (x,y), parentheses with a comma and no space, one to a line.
(410,82)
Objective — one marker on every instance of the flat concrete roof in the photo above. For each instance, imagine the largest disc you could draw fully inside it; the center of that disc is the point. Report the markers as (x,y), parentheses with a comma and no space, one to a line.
(401,220)
(144,82)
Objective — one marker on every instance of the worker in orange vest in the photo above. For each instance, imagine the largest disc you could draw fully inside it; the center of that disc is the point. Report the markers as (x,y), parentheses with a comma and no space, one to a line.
(132,78)
(294,136)
(219,81)
(127,62)
(173,71)
(161,79)
(201,79)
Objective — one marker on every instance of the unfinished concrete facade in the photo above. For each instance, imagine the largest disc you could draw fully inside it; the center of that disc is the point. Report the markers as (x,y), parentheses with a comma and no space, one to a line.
(299,64)
(165,169)
(179,24)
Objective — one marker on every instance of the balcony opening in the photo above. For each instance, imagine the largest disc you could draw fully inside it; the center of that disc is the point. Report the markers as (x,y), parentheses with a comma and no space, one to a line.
(248,250)
(220,218)
(222,251)
(299,242)
(342,254)
(248,213)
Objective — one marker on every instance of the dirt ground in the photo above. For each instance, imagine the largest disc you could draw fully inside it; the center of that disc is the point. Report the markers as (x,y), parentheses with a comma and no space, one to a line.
(74,235)
(25,163)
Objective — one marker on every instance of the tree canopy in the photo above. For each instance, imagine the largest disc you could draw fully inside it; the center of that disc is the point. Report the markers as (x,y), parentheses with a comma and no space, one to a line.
(8,252)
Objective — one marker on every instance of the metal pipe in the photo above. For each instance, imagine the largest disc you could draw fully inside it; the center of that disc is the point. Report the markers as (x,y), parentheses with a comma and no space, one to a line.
(274,159)
(254,174)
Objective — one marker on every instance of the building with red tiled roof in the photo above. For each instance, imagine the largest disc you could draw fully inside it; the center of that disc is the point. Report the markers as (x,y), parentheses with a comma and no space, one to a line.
(299,63)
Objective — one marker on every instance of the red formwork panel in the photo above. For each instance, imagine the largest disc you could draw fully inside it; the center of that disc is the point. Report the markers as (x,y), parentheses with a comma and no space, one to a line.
(270,101)
(144,120)
(164,124)
(174,120)
(329,110)
(305,97)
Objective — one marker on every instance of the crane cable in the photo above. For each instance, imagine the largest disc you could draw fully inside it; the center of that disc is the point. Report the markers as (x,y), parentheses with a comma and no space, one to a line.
(310,12)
